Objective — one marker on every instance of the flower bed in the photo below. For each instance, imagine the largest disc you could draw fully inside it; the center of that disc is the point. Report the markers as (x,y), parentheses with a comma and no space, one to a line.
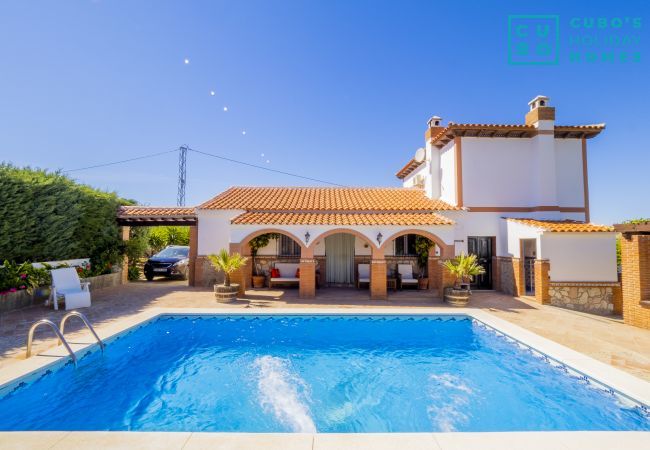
(23,298)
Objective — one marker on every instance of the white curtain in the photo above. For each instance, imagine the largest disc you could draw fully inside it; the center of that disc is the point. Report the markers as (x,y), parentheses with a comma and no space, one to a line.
(339,251)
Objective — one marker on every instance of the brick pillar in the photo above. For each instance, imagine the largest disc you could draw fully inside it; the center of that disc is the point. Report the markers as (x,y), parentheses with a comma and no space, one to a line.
(635,262)
(243,275)
(378,275)
(433,269)
(307,278)
(446,279)
(519,287)
(496,273)
(542,281)
(194,240)
(126,234)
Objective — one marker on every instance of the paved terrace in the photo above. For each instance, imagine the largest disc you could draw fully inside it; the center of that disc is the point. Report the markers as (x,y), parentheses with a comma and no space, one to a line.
(603,338)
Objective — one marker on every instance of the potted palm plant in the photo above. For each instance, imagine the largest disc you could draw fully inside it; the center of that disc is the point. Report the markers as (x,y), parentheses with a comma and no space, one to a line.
(224,261)
(423,246)
(464,268)
(255,244)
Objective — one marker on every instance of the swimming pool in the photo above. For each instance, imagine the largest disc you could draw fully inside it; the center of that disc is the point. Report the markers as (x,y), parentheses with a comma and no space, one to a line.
(316,373)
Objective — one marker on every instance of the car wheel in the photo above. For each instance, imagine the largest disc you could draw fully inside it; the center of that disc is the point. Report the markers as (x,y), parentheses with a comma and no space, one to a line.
(148,276)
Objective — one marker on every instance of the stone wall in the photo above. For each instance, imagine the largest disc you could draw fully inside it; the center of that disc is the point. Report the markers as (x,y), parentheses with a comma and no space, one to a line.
(506,276)
(595,298)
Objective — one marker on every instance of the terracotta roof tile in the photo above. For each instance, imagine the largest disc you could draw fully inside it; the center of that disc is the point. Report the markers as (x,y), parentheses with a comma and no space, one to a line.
(287,218)
(315,199)
(563,226)
(131,211)
(408,168)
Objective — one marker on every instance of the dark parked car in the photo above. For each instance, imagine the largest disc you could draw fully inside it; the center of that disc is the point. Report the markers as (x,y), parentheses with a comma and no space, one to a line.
(172,261)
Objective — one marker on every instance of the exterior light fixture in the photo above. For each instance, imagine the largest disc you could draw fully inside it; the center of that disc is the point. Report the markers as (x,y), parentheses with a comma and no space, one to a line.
(307,236)
(379,237)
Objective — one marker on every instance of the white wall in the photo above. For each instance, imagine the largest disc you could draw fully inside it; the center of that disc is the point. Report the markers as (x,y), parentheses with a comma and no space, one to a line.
(569,179)
(492,224)
(497,172)
(580,256)
(214,230)
(448,173)
(516,232)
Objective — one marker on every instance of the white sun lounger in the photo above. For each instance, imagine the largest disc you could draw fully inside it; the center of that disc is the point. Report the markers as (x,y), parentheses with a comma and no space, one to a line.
(364,274)
(406,275)
(66,285)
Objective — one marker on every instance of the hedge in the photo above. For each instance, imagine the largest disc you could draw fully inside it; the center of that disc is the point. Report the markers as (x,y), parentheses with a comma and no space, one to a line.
(46,216)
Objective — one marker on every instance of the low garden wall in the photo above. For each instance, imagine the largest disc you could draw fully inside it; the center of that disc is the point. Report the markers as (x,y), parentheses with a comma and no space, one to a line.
(595,298)
(22,299)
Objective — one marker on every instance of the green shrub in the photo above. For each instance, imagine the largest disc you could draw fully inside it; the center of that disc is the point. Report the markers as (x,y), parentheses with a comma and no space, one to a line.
(133,273)
(46,216)
(161,237)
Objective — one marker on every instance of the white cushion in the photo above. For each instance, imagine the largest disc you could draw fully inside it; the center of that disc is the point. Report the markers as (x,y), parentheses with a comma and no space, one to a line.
(285,279)
(410,281)
(364,280)
(364,271)
(406,271)
(287,270)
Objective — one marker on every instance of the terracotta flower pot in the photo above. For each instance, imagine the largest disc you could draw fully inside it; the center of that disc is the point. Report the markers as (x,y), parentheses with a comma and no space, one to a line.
(423,283)
(457,297)
(258,281)
(226,294)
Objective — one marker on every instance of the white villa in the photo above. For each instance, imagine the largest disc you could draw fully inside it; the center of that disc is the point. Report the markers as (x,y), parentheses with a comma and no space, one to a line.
(528,221)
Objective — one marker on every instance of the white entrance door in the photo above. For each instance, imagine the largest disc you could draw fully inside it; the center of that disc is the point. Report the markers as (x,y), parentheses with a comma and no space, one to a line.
(339,253)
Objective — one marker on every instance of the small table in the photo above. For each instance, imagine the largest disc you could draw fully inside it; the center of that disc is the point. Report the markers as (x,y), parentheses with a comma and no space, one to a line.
(391,283)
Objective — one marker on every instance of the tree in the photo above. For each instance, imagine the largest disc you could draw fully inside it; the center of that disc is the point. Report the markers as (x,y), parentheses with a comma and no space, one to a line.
(423,246)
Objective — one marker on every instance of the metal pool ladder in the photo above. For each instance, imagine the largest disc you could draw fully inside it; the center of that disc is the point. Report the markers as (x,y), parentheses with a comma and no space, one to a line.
(85,321)
(30,338)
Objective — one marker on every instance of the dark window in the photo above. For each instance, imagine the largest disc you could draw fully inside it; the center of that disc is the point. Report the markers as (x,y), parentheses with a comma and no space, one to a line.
(405,245)
(288,247)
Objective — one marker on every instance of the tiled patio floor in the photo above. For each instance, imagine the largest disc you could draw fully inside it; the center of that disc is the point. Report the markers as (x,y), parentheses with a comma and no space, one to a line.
(603,338)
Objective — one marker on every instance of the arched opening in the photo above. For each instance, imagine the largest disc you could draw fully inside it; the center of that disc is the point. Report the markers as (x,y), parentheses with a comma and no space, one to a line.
(412,259)
(343,257)
(274,259)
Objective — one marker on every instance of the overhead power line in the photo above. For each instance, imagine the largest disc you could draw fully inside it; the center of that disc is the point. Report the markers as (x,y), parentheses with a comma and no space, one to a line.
(182,167)
(120,162)
(268,169)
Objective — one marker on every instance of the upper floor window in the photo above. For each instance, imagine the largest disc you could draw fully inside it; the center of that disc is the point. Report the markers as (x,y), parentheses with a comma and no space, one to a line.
(405,245)
(288,247)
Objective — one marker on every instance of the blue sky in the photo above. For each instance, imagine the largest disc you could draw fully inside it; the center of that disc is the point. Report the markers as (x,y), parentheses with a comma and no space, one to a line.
(335,90)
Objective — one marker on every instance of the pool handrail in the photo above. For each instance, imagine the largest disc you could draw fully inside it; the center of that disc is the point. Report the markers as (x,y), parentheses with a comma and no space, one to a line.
(86,322)
(30,338)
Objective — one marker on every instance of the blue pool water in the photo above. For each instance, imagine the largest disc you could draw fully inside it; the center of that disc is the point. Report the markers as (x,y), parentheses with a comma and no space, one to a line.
(315,373)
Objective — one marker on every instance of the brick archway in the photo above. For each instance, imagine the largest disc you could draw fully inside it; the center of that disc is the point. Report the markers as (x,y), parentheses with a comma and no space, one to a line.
(244,248)
(438,278)
(307,284)
(375,250)
(446,251)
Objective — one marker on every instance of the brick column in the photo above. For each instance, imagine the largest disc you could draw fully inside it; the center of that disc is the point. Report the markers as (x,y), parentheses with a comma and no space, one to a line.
(519,287)
(243,275)
(378,272)
(542,281)
(635,262)
(433,272)
(446,279)
(194,240)
(307,278)
(126,234)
